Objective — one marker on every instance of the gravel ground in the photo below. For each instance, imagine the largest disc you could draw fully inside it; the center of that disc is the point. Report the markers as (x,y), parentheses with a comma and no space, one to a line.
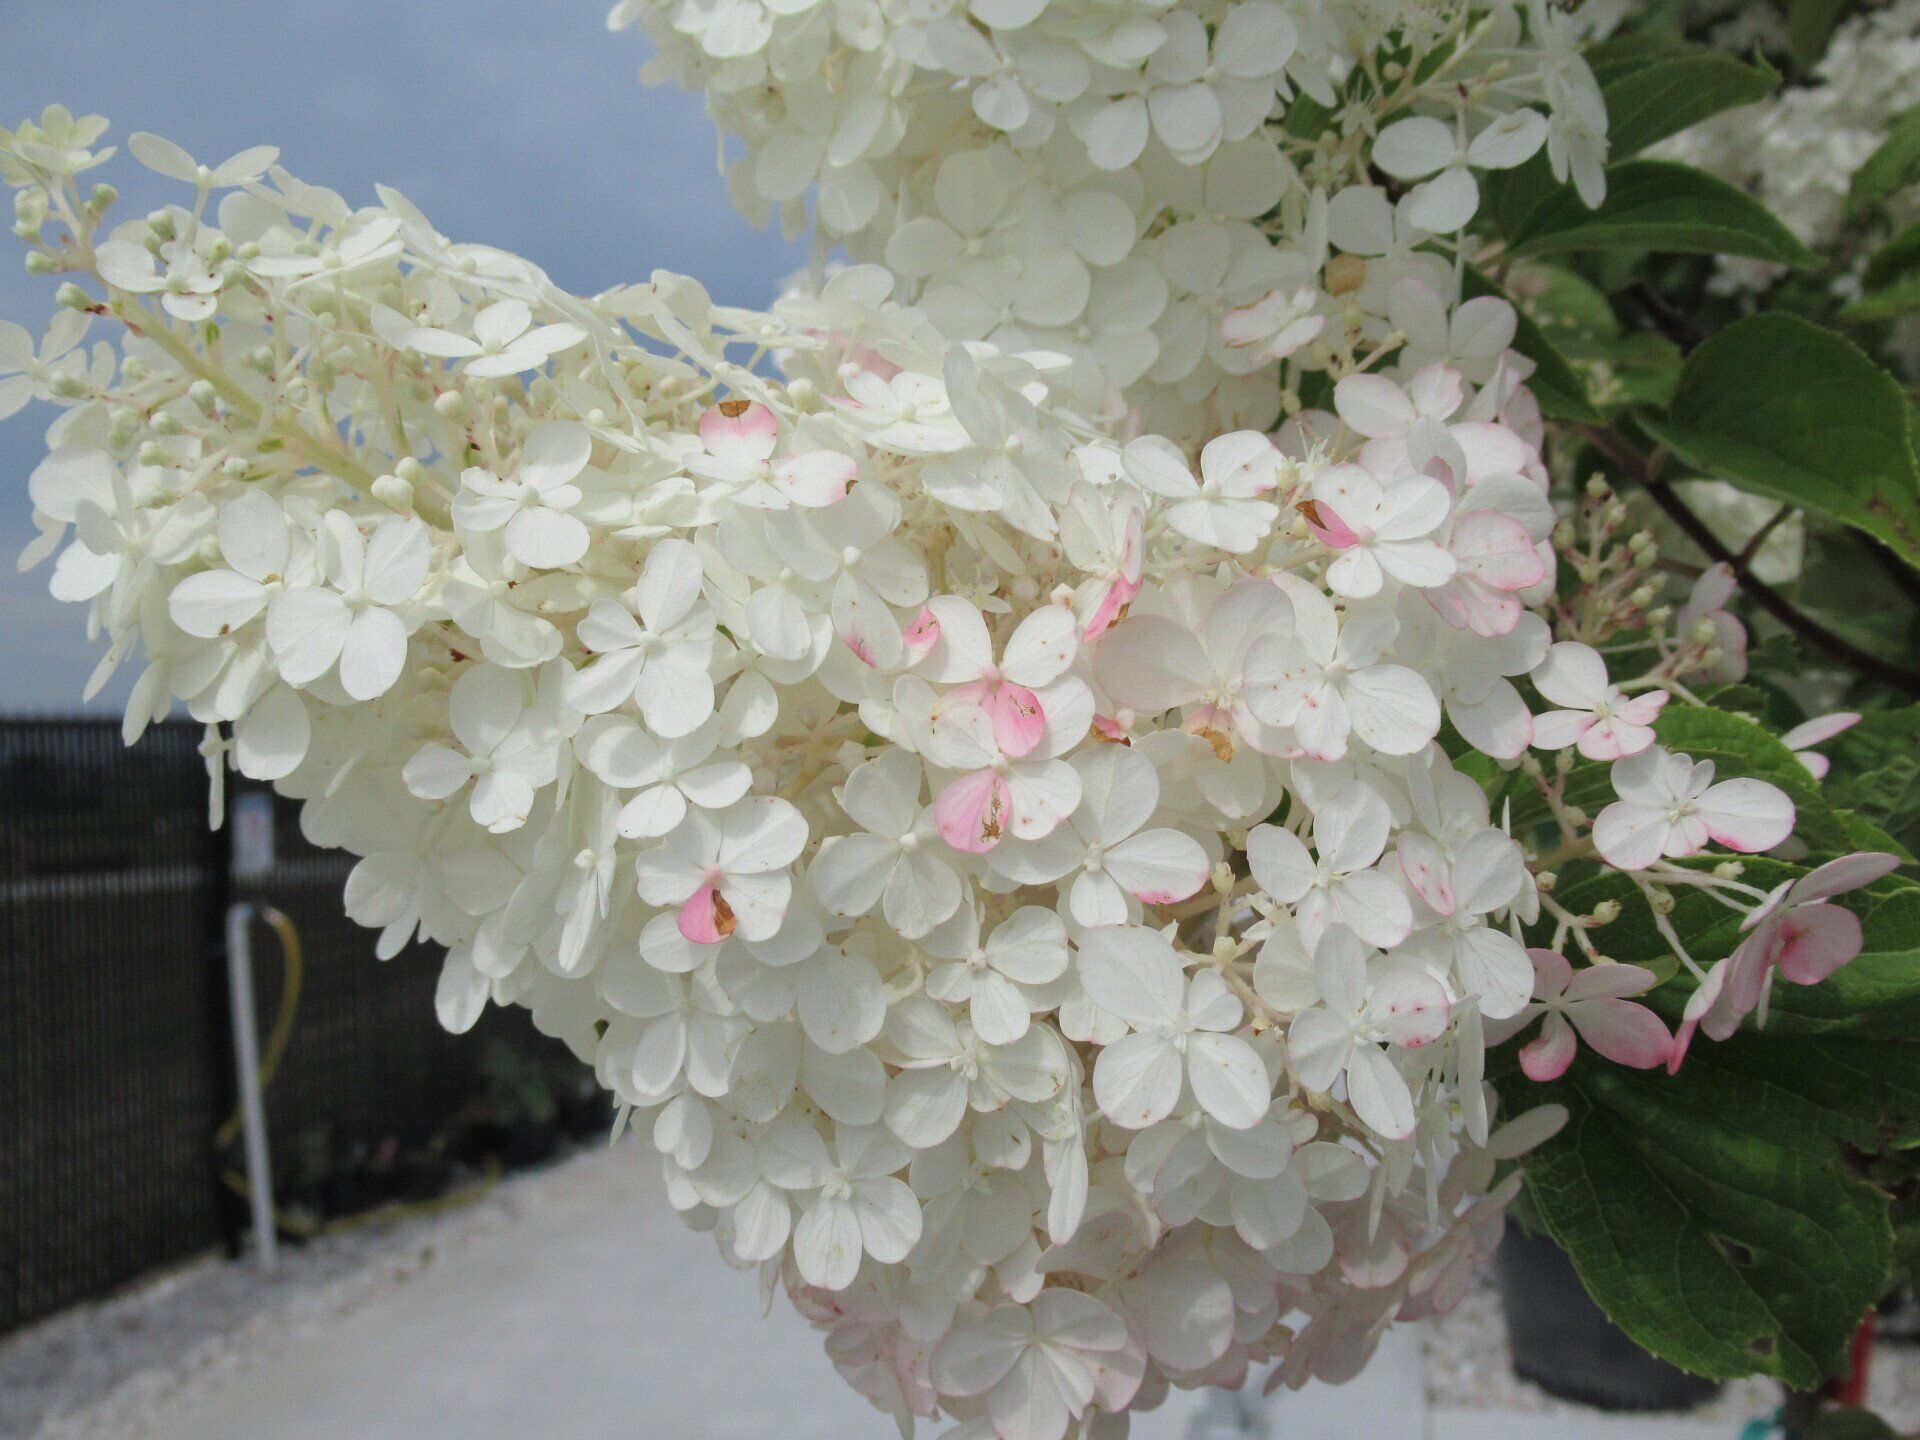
(106,1371)
(98,1371)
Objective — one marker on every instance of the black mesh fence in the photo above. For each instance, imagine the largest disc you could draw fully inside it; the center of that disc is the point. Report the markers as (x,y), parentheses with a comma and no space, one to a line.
(116,1059)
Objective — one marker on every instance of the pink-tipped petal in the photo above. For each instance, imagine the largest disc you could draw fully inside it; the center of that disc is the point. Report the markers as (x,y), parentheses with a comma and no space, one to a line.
(1551,972)
(923,634)
(1425,865)
(1816,940)
(739,430)
(1836,877)
(972,811)
(1496,550)
(1548,1054)
(1746,815)
(1018,719)
(1626,1033)
(706,918)
(1327,526)
(1821,727)
(1110,607)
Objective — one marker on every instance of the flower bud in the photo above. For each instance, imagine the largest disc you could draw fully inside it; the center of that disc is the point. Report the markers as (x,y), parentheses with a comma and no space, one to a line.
(203,395)
(66,386)
(71,297)
(39,263)
(152,453)
(102,197)
(1606,912)
(165,422)
(451,405)
(393,492)
(160,222)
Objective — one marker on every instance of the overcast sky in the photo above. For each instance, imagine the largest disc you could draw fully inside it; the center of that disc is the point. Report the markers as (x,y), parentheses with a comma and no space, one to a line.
(519,124)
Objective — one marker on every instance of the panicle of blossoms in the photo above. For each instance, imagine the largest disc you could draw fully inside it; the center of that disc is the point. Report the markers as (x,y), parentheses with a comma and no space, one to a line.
(1131,188)
(1001,861)
(1798,150)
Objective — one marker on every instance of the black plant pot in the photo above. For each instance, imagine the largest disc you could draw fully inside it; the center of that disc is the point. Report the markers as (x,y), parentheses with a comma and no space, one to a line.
(1565,1344)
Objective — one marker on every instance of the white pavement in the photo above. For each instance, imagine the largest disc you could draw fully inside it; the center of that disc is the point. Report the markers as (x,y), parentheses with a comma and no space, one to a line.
(598,1316)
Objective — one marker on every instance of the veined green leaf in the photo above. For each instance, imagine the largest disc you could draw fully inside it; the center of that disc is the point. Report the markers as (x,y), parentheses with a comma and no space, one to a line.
(1784,408)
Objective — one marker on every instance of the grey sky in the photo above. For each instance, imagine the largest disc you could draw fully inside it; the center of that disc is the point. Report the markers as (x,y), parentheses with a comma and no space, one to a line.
(519,124)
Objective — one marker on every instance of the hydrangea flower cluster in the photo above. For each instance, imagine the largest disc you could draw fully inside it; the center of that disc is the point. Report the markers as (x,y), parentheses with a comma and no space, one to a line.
(1177,198)
(1799,149)
(1003,861)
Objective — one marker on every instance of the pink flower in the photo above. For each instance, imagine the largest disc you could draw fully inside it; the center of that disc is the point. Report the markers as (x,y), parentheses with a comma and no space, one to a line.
(1801,935)
(1812,732)
(1708,602)
(1795,933)
(1493,557)
(1670,806)
(1597,716)
(1590,1005)
(961,653)
(740,436)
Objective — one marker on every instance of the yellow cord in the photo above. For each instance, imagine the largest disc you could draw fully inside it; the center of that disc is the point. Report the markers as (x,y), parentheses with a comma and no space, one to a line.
(292,974)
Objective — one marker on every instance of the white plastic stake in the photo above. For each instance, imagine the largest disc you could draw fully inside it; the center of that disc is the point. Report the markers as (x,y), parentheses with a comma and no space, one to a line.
(246,1059)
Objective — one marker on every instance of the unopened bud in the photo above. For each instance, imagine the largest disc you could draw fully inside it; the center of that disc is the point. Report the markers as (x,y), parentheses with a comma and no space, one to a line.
(393,492)
(1606,912)
(102,196)
(203,395)
(39,263)
(30,209)
(234,467)
(66,386)
(160,222)
(1222,877)
(71,297)
(1345,274)
(1545,881)
(165,422)
(152,453)
(1643,596)
(410,470)
(803,394)
(1597,488)
(451,405)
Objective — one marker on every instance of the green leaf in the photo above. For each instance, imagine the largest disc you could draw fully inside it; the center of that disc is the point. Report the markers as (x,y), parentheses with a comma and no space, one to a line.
(1902,297)
(1895,164)
(1623,54)
(1779,406)
(1561,392)
(1652,205)
(1893,259)
(1681,87)
(1851,1425)
(1809,27)
(1710,1213)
